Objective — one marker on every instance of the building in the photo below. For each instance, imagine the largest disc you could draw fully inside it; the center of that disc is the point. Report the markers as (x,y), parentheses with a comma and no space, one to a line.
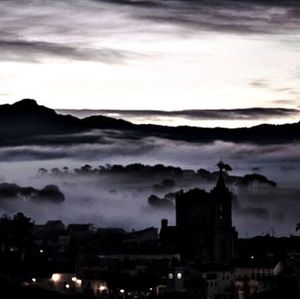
(146,235)
(250,276)
(204,223)
(219,280)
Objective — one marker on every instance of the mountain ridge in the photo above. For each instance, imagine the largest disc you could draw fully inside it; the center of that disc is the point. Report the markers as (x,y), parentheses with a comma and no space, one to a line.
(25,121)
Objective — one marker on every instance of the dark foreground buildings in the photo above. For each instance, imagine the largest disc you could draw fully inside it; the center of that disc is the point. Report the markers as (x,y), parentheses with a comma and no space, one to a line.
(199,258)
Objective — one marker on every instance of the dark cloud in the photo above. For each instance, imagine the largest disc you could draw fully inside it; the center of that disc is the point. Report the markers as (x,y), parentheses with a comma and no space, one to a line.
(123,146)
(224,16)
(34,51)
(136,3)
(221,114)
(93,146)
(80,29)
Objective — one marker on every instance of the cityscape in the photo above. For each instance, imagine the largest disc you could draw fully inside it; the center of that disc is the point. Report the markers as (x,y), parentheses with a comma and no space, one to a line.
(200,256)
(150,149)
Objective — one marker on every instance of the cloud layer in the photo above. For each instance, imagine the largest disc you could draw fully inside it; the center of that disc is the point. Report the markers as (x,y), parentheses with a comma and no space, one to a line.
(217,114)
(75,30)
(153,54)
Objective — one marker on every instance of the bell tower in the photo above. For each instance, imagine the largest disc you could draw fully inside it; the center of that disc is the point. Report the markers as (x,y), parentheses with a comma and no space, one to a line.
(204,222)
(223,200)
(225,235)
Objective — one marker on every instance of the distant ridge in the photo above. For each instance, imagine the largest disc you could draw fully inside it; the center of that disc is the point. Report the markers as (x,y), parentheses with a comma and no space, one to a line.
(194,114)
(26,122)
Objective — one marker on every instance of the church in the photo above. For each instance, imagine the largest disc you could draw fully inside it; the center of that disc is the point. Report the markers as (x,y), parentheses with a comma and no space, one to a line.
(204,230)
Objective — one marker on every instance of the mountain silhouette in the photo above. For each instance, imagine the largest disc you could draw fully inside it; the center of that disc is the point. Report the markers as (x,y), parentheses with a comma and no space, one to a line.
(26,122)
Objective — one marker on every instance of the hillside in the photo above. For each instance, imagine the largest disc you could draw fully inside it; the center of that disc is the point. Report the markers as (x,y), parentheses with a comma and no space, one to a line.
(26,122)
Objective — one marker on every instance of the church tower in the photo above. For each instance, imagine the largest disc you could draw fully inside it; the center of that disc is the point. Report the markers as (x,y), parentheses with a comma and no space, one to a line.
(224,234)
(204,222)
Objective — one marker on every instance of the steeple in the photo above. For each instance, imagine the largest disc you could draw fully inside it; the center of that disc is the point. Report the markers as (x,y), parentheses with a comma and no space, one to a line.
(204,223)
(220,182)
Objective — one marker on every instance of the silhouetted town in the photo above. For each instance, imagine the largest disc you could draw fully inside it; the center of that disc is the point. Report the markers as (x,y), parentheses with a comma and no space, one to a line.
(200,257)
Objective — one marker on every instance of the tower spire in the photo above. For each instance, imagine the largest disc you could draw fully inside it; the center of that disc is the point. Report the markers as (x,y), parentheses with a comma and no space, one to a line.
(220,182)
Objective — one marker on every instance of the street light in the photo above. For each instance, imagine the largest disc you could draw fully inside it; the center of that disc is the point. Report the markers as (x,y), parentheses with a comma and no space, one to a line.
(104,288)
(55,277)
(78,281)
(122,292)
(170,275)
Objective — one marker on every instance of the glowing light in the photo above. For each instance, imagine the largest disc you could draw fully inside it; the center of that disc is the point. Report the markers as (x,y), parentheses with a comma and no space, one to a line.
(252,257)
(179,275)
(78,281)
(104,288)
(150,289)
(33,279)
(55,277)
(67,286)
(41,251)
(170,276)
(74,278)
(122,291)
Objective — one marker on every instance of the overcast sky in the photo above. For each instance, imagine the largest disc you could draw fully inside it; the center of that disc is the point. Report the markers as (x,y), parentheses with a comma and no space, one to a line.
(162,55)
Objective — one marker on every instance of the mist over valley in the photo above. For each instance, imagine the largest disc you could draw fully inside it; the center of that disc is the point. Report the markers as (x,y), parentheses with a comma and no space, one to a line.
(119,196)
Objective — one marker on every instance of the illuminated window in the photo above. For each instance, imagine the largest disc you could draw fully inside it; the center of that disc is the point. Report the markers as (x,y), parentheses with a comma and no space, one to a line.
(79,281)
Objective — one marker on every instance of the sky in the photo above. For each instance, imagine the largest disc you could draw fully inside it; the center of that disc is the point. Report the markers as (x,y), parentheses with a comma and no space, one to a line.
(151,54)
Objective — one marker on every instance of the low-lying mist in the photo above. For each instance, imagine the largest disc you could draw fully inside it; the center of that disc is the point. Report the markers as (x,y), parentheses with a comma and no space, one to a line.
(108,199)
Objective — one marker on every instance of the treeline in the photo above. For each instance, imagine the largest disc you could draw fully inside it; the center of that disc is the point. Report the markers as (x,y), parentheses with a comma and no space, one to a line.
(14,191)
(131,169)
(159,170)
